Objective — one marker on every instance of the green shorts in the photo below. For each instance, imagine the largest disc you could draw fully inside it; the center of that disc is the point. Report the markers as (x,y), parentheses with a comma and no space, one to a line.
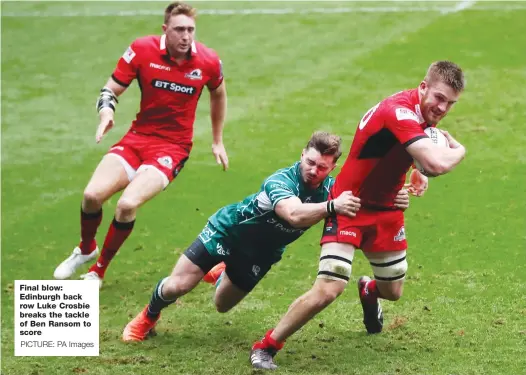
(243,269)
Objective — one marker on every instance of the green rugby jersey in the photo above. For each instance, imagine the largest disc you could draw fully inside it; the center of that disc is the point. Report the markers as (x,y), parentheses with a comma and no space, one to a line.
(252,226)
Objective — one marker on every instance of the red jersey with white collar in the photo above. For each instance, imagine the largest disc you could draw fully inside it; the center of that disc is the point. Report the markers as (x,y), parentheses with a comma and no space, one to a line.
(169,91)
(377,164)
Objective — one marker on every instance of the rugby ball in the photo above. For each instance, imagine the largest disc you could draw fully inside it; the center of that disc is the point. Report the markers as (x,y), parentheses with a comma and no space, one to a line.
(438,139)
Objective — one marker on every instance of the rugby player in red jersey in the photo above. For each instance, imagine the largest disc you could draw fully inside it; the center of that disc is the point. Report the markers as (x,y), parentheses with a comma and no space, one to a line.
(389,137)
(171,70)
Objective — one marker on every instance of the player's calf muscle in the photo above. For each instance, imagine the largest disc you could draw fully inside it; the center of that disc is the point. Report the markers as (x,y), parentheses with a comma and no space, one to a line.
(391,291)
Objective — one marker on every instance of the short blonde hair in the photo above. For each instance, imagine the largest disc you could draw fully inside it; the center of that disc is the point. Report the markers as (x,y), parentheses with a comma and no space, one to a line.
(326,144)
(448,73)
(176,8)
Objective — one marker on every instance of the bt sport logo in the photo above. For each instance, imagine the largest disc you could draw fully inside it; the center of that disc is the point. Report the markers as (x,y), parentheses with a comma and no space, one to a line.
(174,87)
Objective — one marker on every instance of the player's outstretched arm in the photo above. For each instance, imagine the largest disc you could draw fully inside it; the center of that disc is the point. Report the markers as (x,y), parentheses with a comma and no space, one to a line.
(301,215)
(304,215)
(218,102)
(106,104)
(437,160)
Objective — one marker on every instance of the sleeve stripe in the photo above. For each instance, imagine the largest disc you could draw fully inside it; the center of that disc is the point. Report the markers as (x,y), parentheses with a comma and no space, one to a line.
(119,81)
(281,191)
(282,186)
(414,139)
(275,202)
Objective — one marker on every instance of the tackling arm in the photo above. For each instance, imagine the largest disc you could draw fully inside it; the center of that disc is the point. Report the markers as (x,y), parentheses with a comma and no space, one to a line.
(301,215)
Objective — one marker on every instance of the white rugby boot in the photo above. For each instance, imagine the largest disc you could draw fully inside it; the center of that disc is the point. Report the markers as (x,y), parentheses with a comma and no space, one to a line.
(67,268)
(92,276)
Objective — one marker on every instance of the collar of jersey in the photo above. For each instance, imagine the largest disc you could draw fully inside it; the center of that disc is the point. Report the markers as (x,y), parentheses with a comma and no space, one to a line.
(416,102)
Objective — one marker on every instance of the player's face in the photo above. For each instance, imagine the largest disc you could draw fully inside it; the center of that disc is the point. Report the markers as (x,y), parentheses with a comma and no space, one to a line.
(315,167)
(436,100)
(180,32)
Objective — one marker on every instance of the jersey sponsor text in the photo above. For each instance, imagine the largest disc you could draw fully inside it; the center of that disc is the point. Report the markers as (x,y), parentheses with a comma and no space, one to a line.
(173,86)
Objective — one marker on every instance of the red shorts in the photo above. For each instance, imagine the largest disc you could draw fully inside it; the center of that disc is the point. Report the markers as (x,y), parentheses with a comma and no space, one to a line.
(372,231)
(138,151)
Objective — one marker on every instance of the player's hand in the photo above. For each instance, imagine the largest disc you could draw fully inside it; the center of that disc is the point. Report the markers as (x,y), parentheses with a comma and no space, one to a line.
(402,199)
(220,154)
(418,184)
(106,123)
(347,204)
(453,143)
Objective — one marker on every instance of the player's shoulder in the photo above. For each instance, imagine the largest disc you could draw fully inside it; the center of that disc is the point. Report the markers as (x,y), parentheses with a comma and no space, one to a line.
(148,41)
(288,176)
(401,105)
(287,173)
(205,53)
(400,99)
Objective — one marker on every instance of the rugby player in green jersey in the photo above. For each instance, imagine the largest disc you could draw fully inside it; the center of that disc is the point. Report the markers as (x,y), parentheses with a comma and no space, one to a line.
(242,241)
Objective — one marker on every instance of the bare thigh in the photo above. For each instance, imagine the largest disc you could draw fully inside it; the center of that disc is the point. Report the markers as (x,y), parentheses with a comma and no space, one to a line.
(108,178)
(145,185)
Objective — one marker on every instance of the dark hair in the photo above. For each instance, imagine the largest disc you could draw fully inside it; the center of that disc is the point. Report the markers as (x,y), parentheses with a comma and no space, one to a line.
(326,144)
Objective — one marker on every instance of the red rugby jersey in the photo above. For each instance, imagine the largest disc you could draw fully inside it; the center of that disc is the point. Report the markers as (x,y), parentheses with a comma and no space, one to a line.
(169,91)
(377,164)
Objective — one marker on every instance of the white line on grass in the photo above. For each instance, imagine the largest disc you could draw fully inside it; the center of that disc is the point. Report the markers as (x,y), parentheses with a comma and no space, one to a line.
(277,11)
(466,4)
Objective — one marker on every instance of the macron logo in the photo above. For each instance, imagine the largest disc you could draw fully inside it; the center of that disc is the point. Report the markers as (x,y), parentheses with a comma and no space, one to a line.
(347,233)
(161,67)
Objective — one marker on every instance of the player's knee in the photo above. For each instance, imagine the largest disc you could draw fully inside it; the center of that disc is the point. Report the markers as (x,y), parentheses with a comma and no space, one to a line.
(176,287)
(221,306)
(335,291)
(396,295)
(126,206)
(92,198)
(327,293)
